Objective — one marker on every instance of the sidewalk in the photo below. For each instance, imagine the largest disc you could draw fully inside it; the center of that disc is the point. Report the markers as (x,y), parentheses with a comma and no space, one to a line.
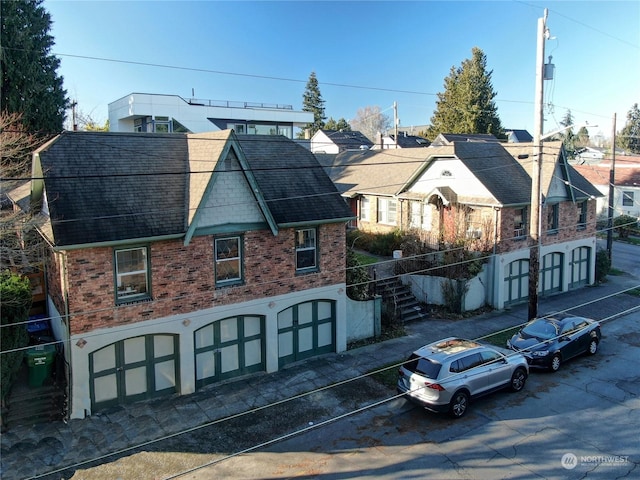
(32,451)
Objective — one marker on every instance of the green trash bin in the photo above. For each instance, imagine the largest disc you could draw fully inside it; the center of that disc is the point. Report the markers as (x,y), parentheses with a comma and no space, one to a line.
(40,362)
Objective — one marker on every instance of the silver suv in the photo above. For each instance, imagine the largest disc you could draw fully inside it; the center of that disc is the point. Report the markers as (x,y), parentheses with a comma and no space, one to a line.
(445,375)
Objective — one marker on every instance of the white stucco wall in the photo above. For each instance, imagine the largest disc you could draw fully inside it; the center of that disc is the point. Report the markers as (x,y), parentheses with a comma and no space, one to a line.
(363,319)
(81,346)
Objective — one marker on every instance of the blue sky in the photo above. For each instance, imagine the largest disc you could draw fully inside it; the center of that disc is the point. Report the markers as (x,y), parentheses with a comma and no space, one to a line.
(364,53)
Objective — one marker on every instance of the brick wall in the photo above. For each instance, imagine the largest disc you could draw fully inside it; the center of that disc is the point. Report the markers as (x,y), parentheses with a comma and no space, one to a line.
(182,278)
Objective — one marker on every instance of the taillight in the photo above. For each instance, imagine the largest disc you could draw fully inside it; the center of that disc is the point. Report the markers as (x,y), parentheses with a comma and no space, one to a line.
(435,386)
(401,373)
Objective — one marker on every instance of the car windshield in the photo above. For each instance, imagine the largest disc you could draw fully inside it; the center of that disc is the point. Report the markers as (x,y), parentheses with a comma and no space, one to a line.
(423,366)
(542,329)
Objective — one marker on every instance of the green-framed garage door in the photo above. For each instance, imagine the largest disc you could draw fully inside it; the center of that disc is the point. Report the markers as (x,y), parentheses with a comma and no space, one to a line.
(551,273)
(516,282)
(228,348)
(580,262)
(134,369)
(306,330)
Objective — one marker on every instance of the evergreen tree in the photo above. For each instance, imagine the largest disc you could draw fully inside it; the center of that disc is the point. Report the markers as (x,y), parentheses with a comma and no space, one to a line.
(312,102)
(30,84)
(467,105)
(568,137)
(629,136)
(341,125)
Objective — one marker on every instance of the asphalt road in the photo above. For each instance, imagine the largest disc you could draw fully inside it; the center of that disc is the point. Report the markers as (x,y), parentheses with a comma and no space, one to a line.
(579,422)
(624,256)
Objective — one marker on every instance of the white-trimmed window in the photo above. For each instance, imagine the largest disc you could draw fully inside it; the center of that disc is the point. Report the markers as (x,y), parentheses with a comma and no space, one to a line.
(582,215)
(306,249)
(365,209)
(520,223)
(553,214)
(132,274)
(387,211)
(228,260)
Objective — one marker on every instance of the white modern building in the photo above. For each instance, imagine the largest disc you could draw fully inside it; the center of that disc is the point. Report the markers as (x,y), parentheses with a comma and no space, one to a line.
(143,112)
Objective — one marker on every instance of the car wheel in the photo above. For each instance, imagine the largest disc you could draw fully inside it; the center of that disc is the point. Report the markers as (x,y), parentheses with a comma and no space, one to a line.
(555,363)
(459,404)
(593,347)
(518,379)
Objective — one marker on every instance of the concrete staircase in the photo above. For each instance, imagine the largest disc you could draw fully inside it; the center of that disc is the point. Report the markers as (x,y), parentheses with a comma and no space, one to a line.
(398,297)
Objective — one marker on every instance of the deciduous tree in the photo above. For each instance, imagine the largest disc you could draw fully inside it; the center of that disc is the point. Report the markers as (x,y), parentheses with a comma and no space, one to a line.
(370,121)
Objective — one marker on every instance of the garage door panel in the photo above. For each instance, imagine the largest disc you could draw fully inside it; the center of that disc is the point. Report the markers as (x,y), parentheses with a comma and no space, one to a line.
(104,359)
(253,353)
(135,381)
(305,330)
(134,350)
(165,375)
(229,360)
(305,339)
(229,347)
(325,334)
(133,369)
(106,388)
(205,365)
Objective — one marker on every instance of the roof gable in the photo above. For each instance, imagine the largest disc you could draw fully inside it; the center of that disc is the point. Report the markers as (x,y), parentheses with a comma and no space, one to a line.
(107,188)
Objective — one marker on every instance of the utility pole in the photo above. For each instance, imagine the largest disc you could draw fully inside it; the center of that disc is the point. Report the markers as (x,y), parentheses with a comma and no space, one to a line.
(612,181)
(535,226)
(395,121)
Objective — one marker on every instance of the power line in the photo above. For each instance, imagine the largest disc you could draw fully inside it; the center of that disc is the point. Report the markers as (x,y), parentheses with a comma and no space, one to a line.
(311,392)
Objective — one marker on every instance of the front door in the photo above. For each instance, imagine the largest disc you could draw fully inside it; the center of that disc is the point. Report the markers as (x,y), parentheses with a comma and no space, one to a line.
(133,369)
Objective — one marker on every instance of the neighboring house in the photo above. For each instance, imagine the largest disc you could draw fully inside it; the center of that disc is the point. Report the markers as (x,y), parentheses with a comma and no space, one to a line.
(404,141)
(480,191)
(449,138)
(178,260)
(589,155)
(518,136)
(337,141)
(626,200)
(143,112)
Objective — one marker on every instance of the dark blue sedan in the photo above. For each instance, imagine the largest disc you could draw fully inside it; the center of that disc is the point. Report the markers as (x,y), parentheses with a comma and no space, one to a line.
(547,342)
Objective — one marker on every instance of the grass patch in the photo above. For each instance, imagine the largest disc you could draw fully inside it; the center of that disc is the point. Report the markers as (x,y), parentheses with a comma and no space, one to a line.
(499,339)
(387,375)
(615,272)
(635,292)
(364,259)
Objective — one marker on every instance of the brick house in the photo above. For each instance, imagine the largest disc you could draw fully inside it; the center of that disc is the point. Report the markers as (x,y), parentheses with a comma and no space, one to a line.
(480,191)
(179,260)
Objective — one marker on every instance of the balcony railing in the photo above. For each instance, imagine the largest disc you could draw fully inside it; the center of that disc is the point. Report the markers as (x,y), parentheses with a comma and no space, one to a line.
(233,104)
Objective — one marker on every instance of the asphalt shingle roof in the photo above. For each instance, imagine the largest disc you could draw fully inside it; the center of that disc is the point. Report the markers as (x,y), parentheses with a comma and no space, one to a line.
(106,187)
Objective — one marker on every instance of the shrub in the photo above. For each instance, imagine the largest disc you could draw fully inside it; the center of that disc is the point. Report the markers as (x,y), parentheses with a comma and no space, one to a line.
(624,224)
(15,302)
(357,278)
(603,265)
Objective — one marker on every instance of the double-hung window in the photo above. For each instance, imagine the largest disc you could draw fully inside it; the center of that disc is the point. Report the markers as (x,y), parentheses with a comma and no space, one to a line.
(132,274)
(306,249)
(552,218)
(387,211)
(627,198)
(365,209)
(582,215)
(228,260)
(520,223)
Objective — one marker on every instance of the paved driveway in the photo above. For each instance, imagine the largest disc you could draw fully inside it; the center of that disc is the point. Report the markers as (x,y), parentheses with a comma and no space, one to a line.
(579,421)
